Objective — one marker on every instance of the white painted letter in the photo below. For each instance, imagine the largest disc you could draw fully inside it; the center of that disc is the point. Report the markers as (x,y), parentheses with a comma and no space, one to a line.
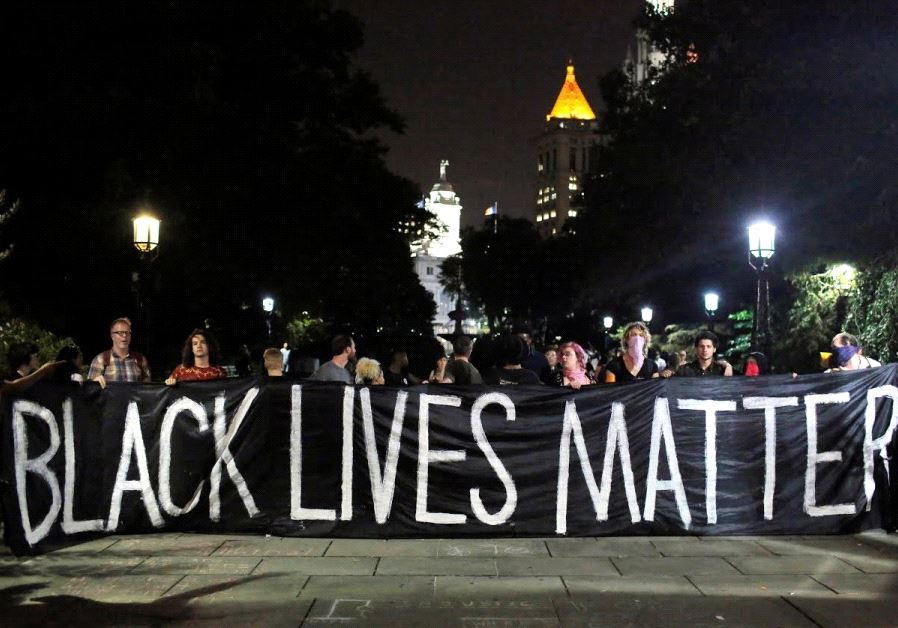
(69,525)
(223,437)
(769,405)
(661,428)
(814,458)
(382,485)
(132,441)
(168,422)
(511,499)
(38,465)
(617,439)
(346,466)
(572,426)
(297,510)
(870,445)
(710,408)
(426,455)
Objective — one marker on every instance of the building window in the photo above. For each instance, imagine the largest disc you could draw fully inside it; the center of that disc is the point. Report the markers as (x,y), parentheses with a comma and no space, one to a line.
(429,271)
(572,213)
(552,214)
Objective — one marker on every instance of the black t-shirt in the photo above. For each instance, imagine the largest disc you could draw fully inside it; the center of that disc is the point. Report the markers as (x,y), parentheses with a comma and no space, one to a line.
(395,379)
(511,377)
(621,374)
(694,369)
(463,372)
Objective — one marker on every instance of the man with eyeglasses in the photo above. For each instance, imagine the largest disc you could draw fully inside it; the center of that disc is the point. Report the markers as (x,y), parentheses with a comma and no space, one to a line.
(119,364)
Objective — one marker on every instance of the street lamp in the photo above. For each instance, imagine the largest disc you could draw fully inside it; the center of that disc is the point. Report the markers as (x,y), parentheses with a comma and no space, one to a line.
(647,314)
(268,308)
(146,241)
(607,322)
(146,235)
(761,247)
(712,301)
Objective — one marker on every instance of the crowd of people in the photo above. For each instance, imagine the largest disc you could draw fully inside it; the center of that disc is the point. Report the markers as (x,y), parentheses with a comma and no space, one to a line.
(508,360)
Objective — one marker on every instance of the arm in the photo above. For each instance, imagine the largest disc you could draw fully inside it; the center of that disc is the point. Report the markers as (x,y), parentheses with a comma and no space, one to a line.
(96,371)
(23,383)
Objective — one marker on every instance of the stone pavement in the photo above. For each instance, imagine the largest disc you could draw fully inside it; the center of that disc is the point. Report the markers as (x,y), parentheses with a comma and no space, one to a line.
(196,580)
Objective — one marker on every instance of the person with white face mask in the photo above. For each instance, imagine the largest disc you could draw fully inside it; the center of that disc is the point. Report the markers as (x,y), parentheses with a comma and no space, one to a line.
(633,364)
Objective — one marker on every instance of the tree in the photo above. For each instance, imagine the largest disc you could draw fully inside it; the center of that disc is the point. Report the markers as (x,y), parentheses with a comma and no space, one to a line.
(247,129)
(6,212)
(786,110)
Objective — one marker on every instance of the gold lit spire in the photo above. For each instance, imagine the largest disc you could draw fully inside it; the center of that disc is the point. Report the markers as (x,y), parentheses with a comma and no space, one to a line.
(571,102)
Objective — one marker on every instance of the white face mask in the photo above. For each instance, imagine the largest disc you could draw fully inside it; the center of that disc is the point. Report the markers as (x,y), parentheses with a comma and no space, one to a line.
(635,345)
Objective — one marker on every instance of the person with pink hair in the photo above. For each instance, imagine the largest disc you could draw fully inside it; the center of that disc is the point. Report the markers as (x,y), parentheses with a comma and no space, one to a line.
(572,374)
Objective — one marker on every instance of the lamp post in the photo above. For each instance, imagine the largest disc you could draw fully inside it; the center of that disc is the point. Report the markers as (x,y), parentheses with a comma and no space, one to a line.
(607,324)
(761,247)
(646,313)
(146,241)
(268,308)
(712,301)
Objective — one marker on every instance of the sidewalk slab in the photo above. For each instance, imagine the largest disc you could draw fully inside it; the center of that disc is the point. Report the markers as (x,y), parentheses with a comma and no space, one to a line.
(666,611)
(546,566)
(492,547)
(392,547)
(368,587)
(479,588)
(64,565)
(873,586)
(88,547)
(760,586)
(588,586)
(710,548)
(688,566)
(194,545)
(211,589)
(601,547)
(374,612)
(396,566)
(185,565)
(870,562)
(318,566)
(803,546)
(118,589)
(808,565)
(848,611)
(273,546)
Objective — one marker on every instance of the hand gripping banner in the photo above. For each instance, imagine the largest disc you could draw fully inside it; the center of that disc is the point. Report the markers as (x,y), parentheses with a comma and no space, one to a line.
(709,456)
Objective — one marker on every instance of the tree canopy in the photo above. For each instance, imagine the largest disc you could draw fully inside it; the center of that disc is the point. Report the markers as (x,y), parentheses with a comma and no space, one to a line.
(244,126)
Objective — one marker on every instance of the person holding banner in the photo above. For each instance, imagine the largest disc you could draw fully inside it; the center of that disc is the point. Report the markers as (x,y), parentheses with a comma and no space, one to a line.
(199,360)
(632,365)
(572,373)
(706,343)
(119,364)
(848,354)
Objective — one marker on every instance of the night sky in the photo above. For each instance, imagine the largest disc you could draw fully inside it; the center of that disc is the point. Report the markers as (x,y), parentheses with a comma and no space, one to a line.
(474,81)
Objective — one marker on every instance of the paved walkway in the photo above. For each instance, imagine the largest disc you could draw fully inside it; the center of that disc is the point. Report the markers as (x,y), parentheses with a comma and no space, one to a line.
(195,579)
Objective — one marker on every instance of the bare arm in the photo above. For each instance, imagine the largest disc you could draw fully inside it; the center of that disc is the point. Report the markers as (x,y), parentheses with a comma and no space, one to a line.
(23,383)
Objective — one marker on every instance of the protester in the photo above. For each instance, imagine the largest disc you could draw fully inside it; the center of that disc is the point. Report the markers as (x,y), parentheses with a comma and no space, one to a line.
(706,343)
(369,373)
(71,364)
(533,360)
(632,364)
(20,384)
(756,364)
(336,369)
(460,368)
(848,355)
(573,367)
(285,355)
(672,360)
(243,363)
(438,374)
(199,360)
(397,373)
(23,359)
(120,363)
(511,352)
(551,353)
(273,362)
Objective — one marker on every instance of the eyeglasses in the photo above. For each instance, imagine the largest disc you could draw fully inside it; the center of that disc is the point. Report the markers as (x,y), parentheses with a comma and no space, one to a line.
(122,333)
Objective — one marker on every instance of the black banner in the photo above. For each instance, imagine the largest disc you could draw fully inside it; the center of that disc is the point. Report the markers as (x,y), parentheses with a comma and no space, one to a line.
(771,455)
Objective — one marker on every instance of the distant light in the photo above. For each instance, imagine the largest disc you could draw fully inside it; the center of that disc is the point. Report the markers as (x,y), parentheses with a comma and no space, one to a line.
(712,301)
(844,276)
(268,304)
(761,240)
(146,233)
(607,322)
(647,314)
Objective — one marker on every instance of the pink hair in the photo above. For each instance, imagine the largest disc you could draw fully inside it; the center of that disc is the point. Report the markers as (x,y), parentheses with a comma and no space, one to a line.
(578,351)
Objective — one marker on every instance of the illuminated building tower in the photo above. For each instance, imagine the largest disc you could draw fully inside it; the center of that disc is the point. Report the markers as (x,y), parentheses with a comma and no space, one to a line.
(563,155)
(646,56)
(445,204)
